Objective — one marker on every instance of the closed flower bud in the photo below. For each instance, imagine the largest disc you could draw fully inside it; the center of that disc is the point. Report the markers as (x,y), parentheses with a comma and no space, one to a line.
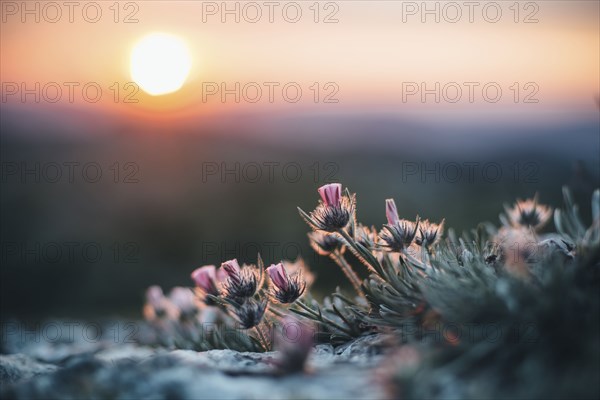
(157,305)
(294,342)
(429,233)
(206,278)
(185,301)
(325,244)
(286,288)
(232,268)
(334,212)
(399,236)
(391,212)
(250,313)
(366,236)
(331,194)
(528,214)
(242,282)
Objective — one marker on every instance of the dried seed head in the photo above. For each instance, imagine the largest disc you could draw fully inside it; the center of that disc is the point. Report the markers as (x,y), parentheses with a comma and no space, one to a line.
(250,313)
(528,213)
(285,288)
(429,233)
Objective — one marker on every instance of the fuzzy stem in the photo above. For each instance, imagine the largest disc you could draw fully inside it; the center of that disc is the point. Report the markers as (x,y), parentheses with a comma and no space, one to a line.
(262,339)
(276,312)
(367,258)
(323,319)
(348,271)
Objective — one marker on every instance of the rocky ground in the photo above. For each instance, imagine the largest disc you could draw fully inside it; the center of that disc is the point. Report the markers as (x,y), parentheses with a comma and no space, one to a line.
(38,368)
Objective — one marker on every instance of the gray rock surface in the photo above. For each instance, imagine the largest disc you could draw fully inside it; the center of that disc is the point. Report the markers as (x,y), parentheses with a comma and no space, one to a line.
(19,367)
(131,371)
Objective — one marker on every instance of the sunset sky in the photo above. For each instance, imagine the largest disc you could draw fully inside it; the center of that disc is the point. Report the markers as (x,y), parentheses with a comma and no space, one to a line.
(368,56)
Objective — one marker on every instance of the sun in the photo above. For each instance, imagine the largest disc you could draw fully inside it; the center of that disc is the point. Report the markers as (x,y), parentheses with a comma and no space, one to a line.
(160,63)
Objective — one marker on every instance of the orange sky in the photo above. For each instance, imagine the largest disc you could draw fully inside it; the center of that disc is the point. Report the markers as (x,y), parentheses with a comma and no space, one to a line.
(368,55)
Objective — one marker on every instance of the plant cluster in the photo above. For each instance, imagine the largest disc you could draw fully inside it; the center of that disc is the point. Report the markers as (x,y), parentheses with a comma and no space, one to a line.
(499,303)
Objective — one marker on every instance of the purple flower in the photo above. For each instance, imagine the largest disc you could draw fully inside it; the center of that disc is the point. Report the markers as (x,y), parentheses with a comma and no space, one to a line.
(232,268)
(185,301)
(295,341)
(155,296)
(278,276)
(391,212)
(242,282)
(286,288)
(206,279)
(334,212)
(331,194)
(399,236)
(157,305)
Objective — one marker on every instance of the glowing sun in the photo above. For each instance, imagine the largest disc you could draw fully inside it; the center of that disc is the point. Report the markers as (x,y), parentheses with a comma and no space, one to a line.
(160,63)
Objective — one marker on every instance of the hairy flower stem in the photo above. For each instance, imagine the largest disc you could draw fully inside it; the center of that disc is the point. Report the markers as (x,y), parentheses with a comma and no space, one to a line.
(262,339)
(276,312)
(324,320)
(363,254)
(348,271)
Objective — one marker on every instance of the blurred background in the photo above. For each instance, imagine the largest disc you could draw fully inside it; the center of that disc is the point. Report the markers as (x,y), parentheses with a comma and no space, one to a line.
(452,110)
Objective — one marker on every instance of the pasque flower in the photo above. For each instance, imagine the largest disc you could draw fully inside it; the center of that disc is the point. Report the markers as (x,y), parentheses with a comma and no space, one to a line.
(157,305)
(242,282)
(528,213)
(334,212)
(185,301)
(429,233)
(331,193)
(286,288)
(207,279)
(391,212)
(398,234)
(366,236)
(294,342)
(325,243)
(250,313)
